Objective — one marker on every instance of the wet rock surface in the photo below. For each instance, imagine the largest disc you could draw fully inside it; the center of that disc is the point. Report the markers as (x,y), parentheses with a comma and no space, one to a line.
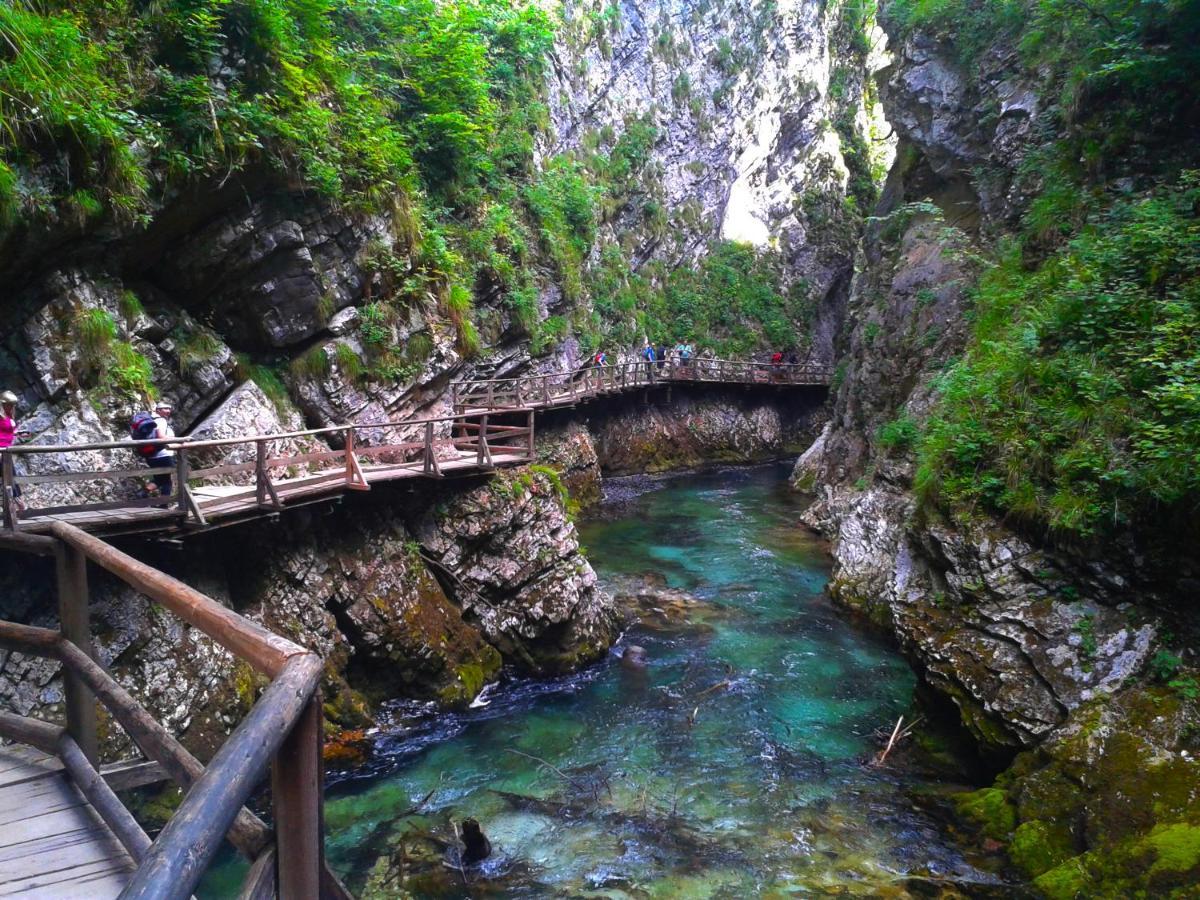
(362,587)
(1046,652)
(692,429)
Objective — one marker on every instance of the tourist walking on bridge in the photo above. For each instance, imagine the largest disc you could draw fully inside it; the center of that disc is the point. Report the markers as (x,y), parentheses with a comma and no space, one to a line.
(649,356)
(161,456)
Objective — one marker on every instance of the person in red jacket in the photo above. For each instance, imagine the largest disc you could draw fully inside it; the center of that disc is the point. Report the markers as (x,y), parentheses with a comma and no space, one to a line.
(9,432)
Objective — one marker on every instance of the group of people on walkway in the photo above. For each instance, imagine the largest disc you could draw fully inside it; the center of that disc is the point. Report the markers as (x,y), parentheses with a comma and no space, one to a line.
(143,426)
(654,356)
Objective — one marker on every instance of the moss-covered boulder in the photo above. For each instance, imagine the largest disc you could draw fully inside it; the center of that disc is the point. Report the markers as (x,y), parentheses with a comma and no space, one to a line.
(1109,807)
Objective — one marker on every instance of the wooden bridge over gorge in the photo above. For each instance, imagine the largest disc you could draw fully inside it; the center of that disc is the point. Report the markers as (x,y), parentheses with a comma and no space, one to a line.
(218,482)
(64,831)
(558,389)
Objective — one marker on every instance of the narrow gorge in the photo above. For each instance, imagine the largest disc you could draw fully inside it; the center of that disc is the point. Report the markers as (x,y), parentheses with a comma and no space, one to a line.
(664,654)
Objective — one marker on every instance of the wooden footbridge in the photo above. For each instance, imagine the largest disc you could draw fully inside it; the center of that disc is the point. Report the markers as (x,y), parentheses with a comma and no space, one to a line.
(557,389)
(64,832)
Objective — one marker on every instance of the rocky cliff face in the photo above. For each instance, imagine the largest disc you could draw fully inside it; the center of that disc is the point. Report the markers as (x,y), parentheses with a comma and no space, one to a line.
(1041,650)
(403,595)
(759,112)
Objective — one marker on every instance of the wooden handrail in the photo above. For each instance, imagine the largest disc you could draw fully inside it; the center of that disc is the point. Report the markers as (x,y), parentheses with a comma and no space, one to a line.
(186,845)
(283,726)
(264,650)
(208,443)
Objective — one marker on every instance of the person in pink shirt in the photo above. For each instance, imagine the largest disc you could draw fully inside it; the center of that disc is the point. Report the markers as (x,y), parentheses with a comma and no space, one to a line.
(8,431)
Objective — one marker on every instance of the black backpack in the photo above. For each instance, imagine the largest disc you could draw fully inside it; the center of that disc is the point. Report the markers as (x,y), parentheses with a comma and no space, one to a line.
(142,427)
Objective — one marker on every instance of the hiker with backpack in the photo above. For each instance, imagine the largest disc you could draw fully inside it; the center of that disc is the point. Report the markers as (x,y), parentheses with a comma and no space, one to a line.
(649,356)
(145,427)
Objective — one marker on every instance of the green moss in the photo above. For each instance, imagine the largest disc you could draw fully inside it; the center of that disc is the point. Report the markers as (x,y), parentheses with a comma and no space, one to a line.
(990,810)
(1037,847)
(1177,848)
(1064,882)
(470,677)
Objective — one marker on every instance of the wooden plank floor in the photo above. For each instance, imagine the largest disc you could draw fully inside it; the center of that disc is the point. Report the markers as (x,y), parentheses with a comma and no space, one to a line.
(52,844)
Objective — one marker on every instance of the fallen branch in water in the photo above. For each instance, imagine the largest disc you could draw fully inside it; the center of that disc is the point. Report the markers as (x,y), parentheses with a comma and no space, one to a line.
(899,733)
(546,764)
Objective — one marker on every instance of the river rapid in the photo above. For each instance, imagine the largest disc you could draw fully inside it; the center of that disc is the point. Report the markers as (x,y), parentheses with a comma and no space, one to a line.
(732,764)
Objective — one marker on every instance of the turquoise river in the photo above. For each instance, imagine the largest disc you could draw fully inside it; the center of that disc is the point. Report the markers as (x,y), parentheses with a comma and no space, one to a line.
(733,764)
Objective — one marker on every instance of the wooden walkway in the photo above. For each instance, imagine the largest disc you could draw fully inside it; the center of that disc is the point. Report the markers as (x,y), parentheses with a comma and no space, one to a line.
(263,479)
(558,389)
(221,482)
(52,843)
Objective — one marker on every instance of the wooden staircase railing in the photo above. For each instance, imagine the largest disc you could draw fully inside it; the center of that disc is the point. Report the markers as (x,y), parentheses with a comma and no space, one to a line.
(282,731)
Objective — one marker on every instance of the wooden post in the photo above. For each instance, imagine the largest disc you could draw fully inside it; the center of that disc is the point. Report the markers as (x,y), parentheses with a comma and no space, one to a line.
(74,622)
(483,455)
(181,480)
(349,455)
(296,796)
(431,464)
(260,472)
(491,394)
(546,390)
(530,420)
(8,478)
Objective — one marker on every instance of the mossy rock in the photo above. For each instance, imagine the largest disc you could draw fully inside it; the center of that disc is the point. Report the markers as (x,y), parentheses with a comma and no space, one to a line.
(1038,846)
(990,810)
(1163,863)
(470,677)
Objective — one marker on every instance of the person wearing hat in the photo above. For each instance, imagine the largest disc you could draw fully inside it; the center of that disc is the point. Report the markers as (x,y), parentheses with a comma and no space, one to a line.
(164,456)
(9,432)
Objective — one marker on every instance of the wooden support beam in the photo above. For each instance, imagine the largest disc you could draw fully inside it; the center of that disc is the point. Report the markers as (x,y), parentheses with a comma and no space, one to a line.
(259,883)
(29,639)
(248,833)
(75,624)
(432,467)
(93,786)
(37,544)
(296,787)
(7,483)
(34,732)
(133,773)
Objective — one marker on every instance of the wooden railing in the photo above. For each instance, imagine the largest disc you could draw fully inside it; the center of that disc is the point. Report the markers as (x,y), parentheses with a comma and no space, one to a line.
(559,388)
(417,447)
(282,731)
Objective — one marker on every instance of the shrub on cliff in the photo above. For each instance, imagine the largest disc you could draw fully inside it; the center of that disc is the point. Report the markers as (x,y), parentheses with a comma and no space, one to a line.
(1077,405)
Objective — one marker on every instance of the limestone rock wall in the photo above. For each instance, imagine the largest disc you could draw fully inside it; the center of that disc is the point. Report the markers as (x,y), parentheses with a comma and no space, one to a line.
(1044,651)
(403,594)
(743,97)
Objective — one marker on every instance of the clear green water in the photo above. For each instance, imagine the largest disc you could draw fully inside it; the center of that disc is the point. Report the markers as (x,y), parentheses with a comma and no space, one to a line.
(731,766)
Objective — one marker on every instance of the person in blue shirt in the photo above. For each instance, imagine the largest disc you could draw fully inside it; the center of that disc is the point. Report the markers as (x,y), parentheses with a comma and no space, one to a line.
(649,356)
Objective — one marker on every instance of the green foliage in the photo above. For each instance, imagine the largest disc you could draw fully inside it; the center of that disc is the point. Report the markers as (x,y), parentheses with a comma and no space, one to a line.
(196,348)
(1119,72)
(94,333)
(899,434)
(266,378)
(129,373)
(1163,665)
(1077,405)
(312,364)
(130,306)
(348,362)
